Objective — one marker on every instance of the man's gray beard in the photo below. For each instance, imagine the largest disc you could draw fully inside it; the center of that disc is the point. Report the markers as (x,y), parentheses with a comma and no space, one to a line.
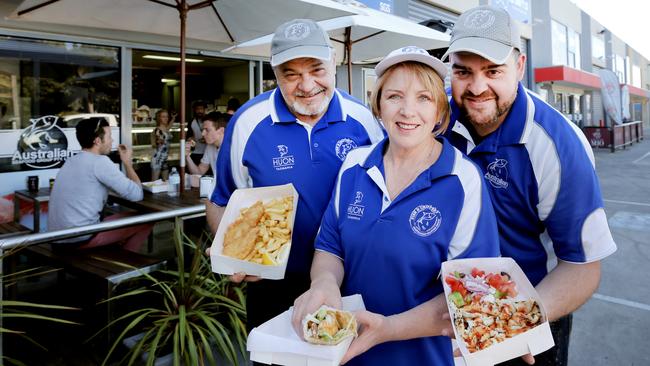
(310,110)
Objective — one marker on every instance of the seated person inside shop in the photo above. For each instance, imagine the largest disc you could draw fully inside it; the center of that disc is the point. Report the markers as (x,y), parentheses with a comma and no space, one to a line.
(82,186)
(214,125)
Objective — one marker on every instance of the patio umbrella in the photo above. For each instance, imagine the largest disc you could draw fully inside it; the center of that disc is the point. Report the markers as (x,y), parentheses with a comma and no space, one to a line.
(362,37)
(223,21)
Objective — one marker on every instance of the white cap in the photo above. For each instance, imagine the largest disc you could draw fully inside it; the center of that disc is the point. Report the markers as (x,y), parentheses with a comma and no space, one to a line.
(411,53)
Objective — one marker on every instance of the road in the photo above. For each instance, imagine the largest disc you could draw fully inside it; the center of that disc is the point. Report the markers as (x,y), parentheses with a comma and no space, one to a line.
(613,327)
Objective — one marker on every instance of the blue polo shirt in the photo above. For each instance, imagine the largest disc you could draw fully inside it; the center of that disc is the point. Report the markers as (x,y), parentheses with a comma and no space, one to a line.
(392,247)
(540,172)
(264,145)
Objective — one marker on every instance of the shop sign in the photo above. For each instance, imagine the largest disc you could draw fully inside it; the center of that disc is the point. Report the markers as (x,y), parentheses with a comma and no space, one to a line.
(42,145)
(598,136)
(382,5)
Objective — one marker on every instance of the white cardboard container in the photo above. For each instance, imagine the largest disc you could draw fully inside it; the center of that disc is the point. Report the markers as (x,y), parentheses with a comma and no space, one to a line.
(275,342)
(243,198)
(534,341)
(155,186)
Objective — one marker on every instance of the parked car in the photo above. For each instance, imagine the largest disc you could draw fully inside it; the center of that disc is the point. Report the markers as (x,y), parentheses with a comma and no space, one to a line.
(71,120)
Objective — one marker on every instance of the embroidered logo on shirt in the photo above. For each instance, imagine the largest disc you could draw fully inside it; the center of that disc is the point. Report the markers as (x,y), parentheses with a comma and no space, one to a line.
(425,220)
(497,173)
(355,209)
(284,161)
(343,147)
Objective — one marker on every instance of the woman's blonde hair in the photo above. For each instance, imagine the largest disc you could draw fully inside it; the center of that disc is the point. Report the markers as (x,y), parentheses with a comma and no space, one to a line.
(161,111)
(429,79)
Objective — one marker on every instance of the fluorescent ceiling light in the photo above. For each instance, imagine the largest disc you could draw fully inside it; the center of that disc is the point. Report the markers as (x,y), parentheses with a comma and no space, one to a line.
(170,58)
(168,80)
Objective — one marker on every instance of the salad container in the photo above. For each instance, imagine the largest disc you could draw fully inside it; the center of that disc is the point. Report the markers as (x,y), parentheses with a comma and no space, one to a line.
(534,340)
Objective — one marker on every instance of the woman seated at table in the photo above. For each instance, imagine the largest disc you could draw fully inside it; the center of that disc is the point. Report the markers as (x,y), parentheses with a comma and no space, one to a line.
(214,125)
(399,209)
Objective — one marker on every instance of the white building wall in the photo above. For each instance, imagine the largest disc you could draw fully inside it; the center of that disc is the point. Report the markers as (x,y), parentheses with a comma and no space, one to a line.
(566,13)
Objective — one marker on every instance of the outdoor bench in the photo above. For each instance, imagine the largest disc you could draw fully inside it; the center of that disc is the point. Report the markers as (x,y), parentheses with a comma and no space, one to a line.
(99,263)
(13,228)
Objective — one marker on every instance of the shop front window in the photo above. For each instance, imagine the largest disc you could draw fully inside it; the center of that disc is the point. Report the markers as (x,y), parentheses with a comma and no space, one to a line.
(598,48)
(46,87)
(573,49)
(156,86)
(559,43)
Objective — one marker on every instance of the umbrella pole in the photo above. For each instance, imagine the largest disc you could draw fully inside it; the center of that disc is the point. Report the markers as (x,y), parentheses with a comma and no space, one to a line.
(182,9)
(348,50)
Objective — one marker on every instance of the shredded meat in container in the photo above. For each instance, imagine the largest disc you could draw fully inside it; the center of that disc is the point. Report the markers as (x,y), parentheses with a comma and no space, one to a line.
(485,311)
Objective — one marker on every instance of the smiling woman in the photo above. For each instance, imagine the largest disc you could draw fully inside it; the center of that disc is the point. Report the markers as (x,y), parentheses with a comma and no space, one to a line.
(415,198)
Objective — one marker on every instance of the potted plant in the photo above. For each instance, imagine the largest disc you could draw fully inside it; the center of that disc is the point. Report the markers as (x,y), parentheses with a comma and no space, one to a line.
(192,313)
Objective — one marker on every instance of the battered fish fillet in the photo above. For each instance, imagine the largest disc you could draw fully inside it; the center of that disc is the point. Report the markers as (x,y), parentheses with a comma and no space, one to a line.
(239,240)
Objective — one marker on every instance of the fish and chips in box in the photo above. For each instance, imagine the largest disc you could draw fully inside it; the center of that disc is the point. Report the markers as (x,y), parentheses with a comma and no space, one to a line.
(275,342)
(495,311)
(156,186)
(254,235)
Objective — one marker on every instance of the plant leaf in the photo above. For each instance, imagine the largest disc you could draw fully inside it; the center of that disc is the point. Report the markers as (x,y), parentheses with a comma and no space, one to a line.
(11,303)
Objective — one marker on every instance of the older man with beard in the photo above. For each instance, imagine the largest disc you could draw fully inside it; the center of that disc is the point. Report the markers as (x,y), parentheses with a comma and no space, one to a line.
(538,166)
(298,133)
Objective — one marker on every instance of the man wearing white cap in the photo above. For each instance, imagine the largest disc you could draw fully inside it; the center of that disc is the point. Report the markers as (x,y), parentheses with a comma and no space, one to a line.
(298,133)
(538,166)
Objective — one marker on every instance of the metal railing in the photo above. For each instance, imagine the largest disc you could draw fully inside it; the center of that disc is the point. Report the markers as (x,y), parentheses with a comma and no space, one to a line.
(39,238)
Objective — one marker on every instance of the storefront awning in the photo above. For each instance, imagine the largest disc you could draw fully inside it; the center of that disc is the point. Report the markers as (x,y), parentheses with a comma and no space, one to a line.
(639,92)
(567,76)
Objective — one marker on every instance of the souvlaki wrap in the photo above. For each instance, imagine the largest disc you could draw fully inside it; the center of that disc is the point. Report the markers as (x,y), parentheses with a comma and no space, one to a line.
(329,326)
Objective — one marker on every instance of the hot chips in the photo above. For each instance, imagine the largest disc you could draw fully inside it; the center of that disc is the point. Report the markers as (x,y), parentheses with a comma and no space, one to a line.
(260,232)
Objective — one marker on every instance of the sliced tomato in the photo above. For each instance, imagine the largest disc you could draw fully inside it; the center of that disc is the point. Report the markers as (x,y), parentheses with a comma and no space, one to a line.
(477,272)
(456,285)
(494,280)
(509,289)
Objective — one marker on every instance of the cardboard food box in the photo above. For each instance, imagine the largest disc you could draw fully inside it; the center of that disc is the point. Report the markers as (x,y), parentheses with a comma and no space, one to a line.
(156,186)
(534,341)
(276,342)
(243,198)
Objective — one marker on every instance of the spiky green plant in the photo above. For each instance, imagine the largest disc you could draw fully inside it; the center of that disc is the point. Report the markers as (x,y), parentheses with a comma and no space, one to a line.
(11,309)
(195,312)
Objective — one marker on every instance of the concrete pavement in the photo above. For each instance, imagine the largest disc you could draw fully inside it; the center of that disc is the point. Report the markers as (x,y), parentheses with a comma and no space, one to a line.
(613,327)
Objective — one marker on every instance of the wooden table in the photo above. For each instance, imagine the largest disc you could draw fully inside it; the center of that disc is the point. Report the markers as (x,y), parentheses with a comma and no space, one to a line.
(42,195)
(158,202)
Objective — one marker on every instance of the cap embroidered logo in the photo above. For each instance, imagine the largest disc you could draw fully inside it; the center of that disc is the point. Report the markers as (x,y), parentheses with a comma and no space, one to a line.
(297,31)
(413,49)
(480,19)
